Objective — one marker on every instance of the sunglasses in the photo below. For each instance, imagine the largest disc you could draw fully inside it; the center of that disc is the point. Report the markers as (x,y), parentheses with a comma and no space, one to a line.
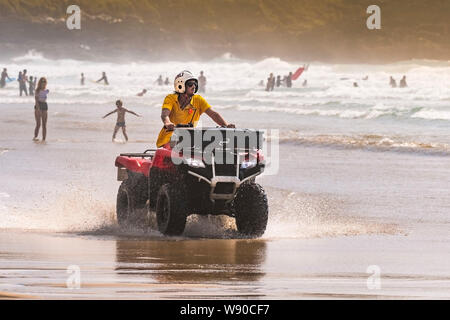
(191,83)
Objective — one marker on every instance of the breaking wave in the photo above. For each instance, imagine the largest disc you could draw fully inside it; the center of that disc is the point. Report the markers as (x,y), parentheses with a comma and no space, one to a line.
(368,141)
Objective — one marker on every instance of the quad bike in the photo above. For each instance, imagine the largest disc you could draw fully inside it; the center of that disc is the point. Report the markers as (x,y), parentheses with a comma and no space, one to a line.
(208,171)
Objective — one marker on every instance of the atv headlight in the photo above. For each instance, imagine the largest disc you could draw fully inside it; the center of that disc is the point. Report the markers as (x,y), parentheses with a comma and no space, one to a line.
(195,163)
(248,164)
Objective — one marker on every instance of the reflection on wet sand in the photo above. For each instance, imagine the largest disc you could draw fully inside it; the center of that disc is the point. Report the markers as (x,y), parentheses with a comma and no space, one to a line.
(193,261)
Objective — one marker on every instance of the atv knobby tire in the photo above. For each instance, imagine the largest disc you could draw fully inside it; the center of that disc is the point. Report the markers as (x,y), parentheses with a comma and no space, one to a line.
(251,210)
(171,209)
(128,204)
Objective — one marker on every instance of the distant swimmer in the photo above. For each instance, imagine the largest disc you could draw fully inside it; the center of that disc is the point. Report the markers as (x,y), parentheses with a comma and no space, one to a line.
(166,82)
(31,85)
(201,83)
(278,81)
(366,78)
(403,83)
(140,94)
(261,83)
(289,80)
(4,77)
(355,84)
(120,123)
(160,80)
(103,78)
(82,79)
(270,82)
(41,108)
(392,82)
(305,83)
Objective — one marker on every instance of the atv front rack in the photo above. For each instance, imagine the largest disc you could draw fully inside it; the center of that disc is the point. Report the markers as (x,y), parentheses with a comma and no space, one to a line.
(150,153)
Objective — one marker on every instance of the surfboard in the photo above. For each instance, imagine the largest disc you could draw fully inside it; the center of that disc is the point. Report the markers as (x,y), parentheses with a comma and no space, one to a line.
(298,73)
(10,80)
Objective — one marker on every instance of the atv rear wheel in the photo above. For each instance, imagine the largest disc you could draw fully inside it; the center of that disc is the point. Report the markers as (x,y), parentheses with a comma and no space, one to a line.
(251,210)
(127,206)
(171,209)
(123,205)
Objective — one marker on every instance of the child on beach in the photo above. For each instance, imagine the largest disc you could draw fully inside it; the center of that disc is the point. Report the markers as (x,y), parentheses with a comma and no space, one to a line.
(120,119)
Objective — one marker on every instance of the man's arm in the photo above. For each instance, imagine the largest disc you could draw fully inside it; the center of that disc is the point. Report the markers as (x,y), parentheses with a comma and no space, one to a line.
(108,114)
(166,120)
(217,118)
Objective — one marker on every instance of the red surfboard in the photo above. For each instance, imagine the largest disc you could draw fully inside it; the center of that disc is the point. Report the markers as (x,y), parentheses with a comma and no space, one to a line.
(298,73)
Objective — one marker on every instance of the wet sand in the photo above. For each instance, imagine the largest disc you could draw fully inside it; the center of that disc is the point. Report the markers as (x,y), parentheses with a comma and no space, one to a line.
(335,214)
(40,266)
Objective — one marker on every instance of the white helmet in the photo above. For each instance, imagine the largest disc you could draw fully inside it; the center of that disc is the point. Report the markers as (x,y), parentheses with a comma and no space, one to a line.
(181,79)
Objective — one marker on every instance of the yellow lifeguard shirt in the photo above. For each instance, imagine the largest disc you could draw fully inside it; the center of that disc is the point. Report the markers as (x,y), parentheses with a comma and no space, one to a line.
(191,112)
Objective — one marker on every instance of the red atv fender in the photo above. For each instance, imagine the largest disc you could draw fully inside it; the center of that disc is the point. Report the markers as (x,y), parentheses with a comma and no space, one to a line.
(138,165)
(142,162)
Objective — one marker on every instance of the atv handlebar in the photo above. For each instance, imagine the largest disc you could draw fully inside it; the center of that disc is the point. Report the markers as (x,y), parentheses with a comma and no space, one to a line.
(189,125)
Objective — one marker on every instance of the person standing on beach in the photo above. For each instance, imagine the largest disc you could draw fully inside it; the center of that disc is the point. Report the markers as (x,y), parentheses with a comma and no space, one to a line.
(82,79)
(166,82)
(31,86)
(22,79)
(103,78)
(120,123)
(201,83)
(3,79)
(40,109)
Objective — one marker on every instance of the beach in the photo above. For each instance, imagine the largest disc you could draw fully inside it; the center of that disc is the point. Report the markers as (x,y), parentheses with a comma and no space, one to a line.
(358,206)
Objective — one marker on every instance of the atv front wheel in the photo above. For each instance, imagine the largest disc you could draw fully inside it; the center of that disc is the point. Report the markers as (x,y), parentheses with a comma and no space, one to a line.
(171,209)
(251,210)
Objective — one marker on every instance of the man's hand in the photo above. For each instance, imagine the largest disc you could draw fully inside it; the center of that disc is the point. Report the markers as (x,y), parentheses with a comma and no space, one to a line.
(169,126)
(230,125)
